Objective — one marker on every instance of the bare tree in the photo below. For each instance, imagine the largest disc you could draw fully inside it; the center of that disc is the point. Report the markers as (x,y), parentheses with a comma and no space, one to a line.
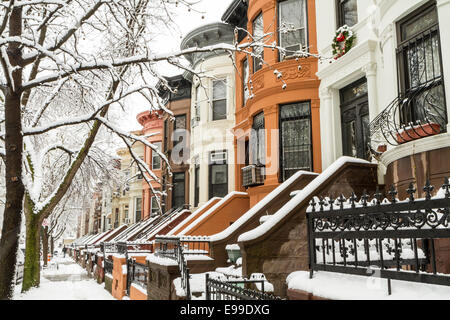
(65,64)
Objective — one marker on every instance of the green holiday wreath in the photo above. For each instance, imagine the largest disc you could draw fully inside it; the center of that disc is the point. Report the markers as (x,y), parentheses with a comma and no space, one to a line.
(343,41)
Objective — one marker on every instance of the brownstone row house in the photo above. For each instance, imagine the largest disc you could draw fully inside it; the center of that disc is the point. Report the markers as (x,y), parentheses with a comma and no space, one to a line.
(354,184)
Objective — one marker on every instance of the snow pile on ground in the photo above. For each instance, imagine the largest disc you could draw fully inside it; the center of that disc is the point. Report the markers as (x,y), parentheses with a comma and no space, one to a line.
(66,290)
(338,286)
(67,283)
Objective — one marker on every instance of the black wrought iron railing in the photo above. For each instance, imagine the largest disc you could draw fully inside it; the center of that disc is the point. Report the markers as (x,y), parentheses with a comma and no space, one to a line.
(192,245)
(420,109)
(108,265)
(173,248)
(230,290)
(137,274)
(416,114)
(390,238)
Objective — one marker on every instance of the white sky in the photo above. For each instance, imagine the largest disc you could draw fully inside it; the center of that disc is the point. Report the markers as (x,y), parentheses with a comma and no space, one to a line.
(212,10)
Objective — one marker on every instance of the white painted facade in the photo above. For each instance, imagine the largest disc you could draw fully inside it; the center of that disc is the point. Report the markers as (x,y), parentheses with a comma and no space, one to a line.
(208,135)
(374,57)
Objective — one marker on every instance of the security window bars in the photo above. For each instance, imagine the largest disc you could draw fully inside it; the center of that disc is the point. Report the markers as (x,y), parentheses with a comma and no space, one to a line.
(258,36)
(219,103)
(258,140)
(156,159)
(218,174)
(420,70)
(296,142)
(347,12)
(292,19)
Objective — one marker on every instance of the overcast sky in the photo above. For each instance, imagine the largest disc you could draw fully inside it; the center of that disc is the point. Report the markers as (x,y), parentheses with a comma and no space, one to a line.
(212,10)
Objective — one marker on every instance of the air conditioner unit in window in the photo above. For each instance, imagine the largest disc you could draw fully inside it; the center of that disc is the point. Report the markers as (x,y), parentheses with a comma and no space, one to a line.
(127,220)
(218,157)
(253,176)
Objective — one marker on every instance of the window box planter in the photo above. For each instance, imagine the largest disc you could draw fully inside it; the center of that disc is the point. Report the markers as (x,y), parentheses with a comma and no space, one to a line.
(417,132)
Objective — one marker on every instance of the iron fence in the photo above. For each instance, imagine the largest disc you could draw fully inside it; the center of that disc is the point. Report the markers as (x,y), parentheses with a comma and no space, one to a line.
(173,248)
(230,290)
(137,273)
(390,238)
(108,265)
(192,245)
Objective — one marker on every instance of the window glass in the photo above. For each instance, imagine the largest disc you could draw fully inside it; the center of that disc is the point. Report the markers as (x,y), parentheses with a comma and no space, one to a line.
(292,25)
(296,148)
(245,79)
(156,159)
(218,173)
(138,209)
(258,36)
(258,140)
(178,190)
(219,100)
(348,12)
(419,57)
(154,206)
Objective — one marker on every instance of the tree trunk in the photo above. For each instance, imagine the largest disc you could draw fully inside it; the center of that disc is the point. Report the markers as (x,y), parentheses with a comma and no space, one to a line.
(31,273)
(12,216)
(45,245)
(52,245)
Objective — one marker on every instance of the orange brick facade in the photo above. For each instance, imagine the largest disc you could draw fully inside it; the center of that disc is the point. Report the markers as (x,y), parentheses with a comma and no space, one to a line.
(152,124)
(302,85)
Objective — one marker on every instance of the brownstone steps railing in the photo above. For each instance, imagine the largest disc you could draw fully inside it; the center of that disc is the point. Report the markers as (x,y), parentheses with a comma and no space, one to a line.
(251,219)
(280,245)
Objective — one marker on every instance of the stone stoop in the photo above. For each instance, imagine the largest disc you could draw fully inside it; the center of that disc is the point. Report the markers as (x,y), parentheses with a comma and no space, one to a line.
(293,294)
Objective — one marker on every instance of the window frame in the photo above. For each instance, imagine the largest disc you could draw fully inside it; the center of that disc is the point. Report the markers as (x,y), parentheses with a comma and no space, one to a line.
(280,124)
(260,147)
(156,155)
(210,168)
(213,100)
(278,34)
(173,187)
(340,14)
(136,211)
(197,110)
(255,61)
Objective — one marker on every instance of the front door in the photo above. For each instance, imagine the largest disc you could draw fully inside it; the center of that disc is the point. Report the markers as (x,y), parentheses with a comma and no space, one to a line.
(355,120)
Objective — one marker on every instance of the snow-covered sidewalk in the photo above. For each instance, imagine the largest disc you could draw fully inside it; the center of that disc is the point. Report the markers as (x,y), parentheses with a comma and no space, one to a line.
(65,280)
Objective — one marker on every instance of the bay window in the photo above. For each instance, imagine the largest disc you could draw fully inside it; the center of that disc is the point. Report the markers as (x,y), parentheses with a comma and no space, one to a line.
(292,30)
